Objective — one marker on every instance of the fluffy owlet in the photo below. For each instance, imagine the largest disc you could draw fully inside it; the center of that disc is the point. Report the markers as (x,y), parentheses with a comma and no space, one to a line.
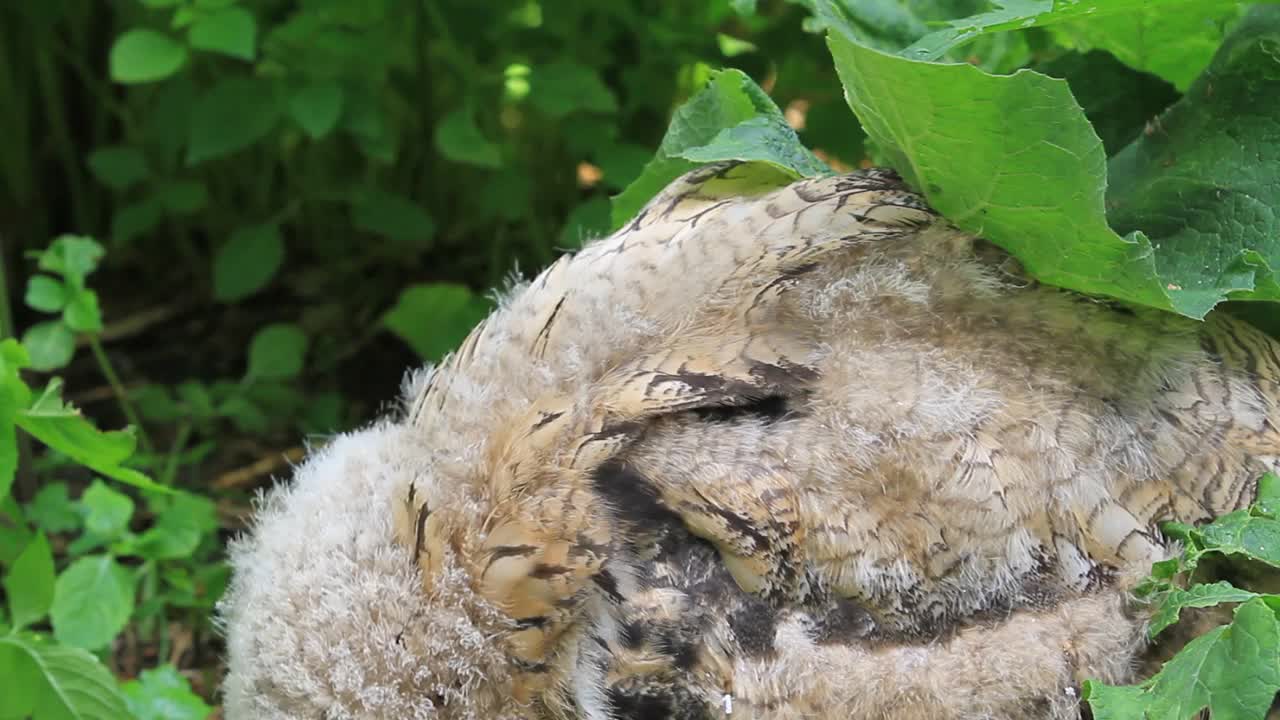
(767,451)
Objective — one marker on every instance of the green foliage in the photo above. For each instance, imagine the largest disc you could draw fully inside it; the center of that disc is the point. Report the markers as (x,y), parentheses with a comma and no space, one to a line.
(1233,670)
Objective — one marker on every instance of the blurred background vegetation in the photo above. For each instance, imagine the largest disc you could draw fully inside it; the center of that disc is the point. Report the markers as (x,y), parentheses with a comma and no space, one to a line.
(293,201)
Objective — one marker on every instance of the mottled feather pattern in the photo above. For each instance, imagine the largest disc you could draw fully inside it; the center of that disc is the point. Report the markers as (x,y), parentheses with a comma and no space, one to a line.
(769,451)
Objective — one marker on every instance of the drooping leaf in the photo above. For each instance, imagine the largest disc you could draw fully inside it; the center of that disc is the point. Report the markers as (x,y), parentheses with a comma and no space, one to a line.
(731,119)
(230,30)
(247,262)
(142,56)
(92,602)
(1202,184)
(1011,158)
(435,317)
(29,583)
(62,428)
(277,352)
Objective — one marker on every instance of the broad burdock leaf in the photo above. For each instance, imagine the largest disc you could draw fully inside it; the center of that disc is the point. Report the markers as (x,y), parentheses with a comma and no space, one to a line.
(1204,183)
(92,602)
(730,119)
(1117,100)
(247,262)
(141,56)
(458,139)
(55,682)
(434,318)
(231,31)
(1176,600)
(277,352)
(29,583)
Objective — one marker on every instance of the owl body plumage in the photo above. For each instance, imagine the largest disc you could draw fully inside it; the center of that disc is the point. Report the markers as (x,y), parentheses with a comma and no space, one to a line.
(801,451)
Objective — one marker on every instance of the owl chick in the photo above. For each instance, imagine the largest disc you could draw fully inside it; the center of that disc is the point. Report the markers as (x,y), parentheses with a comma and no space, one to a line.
(887,434)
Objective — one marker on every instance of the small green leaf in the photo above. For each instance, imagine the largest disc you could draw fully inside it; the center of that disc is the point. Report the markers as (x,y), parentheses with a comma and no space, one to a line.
(277,352)
(317,107)
(135,220)
(393,216)
(248,262)
(52,509)
(458,139)
(730,119)
(50,345)
(179,527)
(107,511)
(29,583)
(45,294)
(230,30)
(164,694)
(561,88)
(82,313)
(142,56)
(119,167)
(231,116)
(54,682)
(92,602)
(433,318)
(732,47)
(73,257)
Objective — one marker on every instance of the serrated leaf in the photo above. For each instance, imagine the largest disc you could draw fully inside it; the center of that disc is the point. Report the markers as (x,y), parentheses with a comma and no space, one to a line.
(82,313)
(45,294)
(50,345)
(562,87)
(247,262)
(317,107)
(393,216)
(142,56)
(92,602)
(29,583)
(119,167)
(458,139)
(1199,184)
(1010,158)
(164,694)
(62,428)
(52,509)
(107,511)
(230,30)
(230,116)
(1198,596)
(433,318)
(1233,670)
(730,119)
(277,352)
(53,682)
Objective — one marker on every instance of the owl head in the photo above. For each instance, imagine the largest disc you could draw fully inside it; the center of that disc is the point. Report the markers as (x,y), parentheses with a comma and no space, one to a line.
(329,616)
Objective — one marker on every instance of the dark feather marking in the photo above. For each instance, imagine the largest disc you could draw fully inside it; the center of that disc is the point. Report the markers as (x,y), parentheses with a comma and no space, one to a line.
(609,584)
(544,334)
(423,513)
(544,571)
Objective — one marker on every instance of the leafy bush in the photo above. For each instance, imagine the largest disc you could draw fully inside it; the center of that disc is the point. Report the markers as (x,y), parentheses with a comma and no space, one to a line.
(296,199)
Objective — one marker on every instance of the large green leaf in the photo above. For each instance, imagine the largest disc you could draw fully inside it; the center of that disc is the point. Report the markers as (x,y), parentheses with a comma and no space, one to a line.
(247,262)
(1011,158)
(1205,183)
(29,583)
(141,56)
(1234,671)
(54,682)
(730,119)
(232,115)
(92,602)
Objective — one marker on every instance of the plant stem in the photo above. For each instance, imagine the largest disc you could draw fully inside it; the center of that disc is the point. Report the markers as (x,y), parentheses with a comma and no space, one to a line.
(175,452)
(122,396)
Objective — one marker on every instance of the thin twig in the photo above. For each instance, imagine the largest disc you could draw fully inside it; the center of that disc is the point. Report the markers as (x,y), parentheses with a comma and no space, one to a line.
(248,474)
